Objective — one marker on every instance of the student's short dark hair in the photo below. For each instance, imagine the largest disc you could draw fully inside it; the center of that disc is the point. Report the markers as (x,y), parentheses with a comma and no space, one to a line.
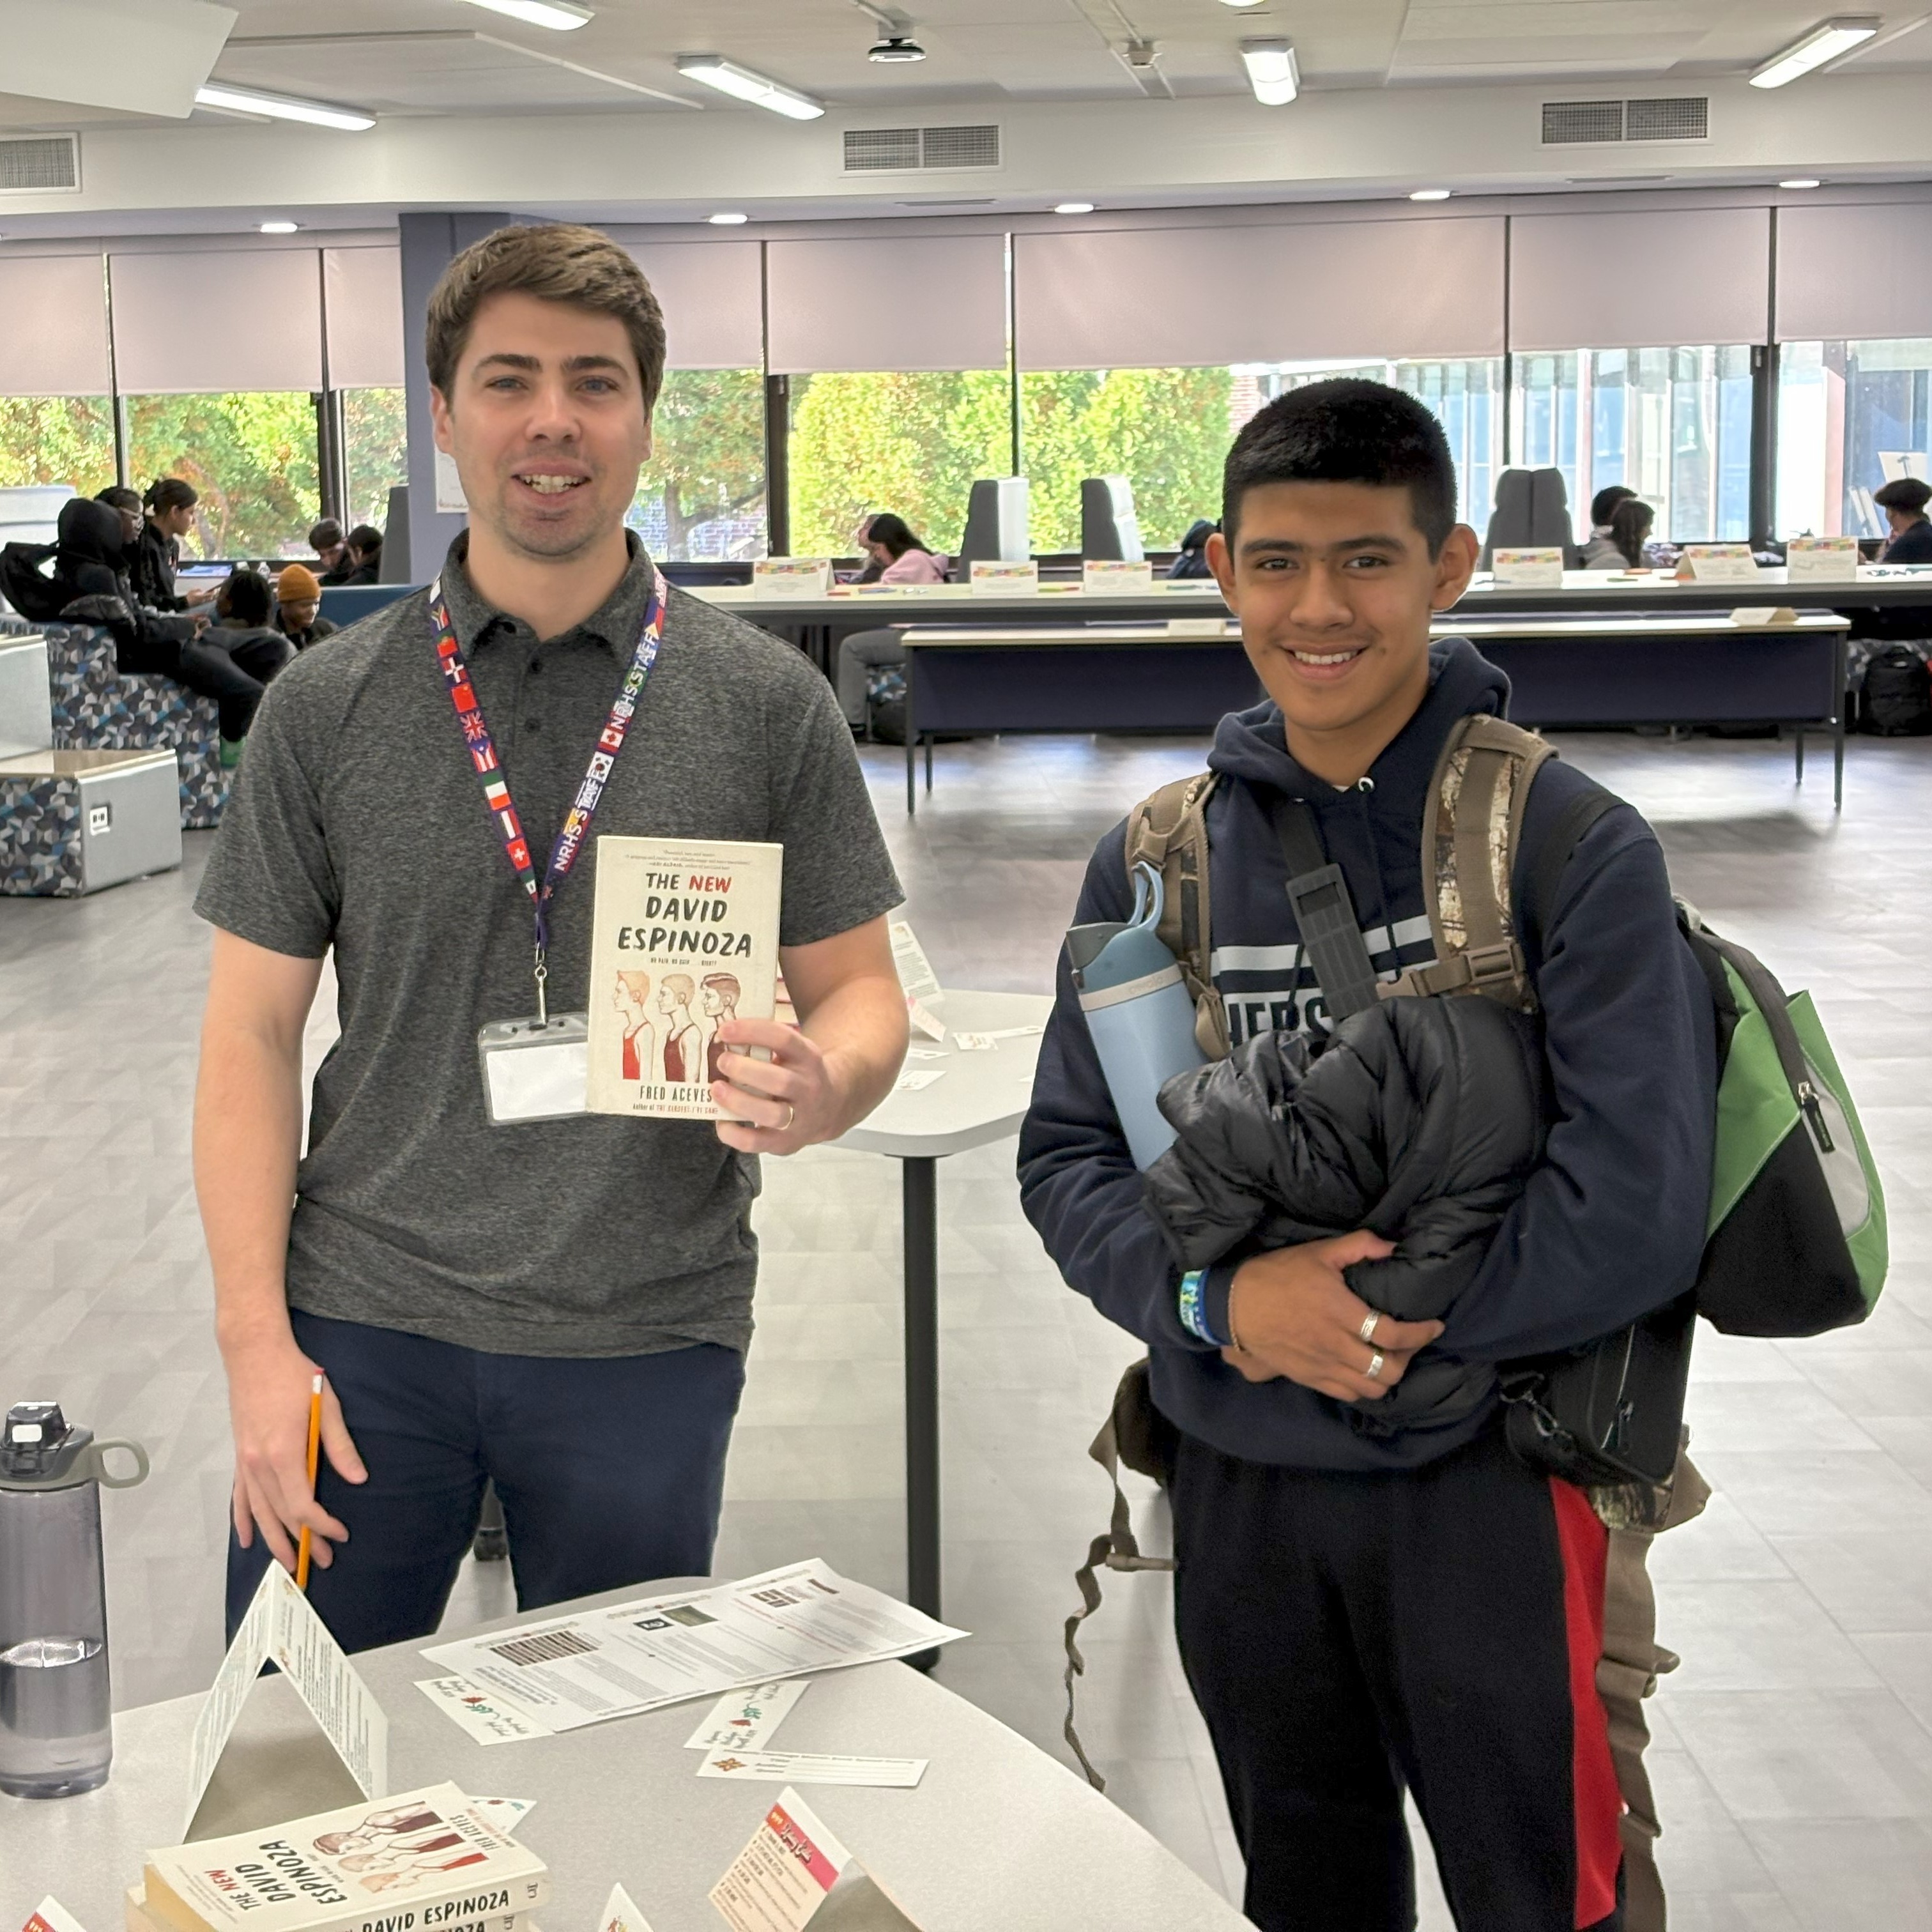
(1903,493)
(170,493)
(245,596)
(1346,430)
(326,535)
(365,540)
(894,532)
(119,497)
(1603,505)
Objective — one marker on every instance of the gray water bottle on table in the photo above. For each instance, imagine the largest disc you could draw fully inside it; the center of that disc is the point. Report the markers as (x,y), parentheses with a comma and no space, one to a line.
(1138,1013)
(56,1738)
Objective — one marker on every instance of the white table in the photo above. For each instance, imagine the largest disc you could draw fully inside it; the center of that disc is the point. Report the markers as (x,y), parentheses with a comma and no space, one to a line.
(982,1097)
(997,1834)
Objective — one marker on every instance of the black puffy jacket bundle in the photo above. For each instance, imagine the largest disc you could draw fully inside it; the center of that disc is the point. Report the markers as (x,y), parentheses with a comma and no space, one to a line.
(1421,1119)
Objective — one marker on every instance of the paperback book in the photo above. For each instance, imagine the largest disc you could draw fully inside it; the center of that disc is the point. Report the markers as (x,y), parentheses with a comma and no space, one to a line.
(685,936)
(430,1859)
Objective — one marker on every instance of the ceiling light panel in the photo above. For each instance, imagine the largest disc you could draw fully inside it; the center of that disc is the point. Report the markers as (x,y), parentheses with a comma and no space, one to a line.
(1825,42)
(282,107)
(558,15)
(758,90)
(1273,71)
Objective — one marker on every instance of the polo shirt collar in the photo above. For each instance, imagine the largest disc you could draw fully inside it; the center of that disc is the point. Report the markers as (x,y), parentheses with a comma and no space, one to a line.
(615,624)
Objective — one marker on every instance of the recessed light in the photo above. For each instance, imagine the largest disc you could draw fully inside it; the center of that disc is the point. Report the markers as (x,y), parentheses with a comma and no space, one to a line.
(742,84)
(1273,71)
(728,218)
(1824,42)
(278,227)
(282,107)
(1429,194)
(558,15)
(1073,207)
(1803,181)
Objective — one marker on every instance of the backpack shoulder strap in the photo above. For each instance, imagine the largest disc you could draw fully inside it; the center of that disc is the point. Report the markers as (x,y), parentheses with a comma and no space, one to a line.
(1470,834)
(1168,829)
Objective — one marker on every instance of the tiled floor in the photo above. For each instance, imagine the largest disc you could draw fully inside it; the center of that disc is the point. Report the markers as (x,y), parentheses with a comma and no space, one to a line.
(1794,1753)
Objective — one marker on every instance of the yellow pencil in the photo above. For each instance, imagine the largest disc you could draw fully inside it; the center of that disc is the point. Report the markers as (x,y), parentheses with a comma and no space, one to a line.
(314,1463)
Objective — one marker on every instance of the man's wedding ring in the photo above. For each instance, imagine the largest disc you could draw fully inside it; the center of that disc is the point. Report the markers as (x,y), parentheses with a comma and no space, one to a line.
(791,1114)
(1375,1367)
(1367,1331)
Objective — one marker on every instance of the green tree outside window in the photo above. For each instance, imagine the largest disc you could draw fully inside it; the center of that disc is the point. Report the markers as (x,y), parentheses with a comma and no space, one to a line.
(250,456)
(57,439)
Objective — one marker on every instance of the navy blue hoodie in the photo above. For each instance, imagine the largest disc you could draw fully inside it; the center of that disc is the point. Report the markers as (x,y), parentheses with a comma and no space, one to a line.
(1609,1228)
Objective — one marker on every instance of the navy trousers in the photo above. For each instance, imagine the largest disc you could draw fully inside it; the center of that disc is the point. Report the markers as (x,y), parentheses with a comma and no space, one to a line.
(611,1468)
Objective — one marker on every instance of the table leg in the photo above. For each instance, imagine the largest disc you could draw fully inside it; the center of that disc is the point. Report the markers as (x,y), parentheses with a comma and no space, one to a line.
(927,736)
(1800,738)
(912,773)
(919,1180)
(1838,727)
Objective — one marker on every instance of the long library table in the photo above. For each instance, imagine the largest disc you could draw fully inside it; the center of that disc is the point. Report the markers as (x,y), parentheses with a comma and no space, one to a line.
(996,1833)
(1578,671)
(817,622)
(981,1097)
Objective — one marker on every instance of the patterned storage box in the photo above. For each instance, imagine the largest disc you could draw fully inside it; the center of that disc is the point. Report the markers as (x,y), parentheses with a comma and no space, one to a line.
(73,822)
(95,708)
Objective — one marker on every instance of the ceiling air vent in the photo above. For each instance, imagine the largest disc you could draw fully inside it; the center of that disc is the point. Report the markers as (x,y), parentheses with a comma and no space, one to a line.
(39,164)
(874,151)
(1580,123)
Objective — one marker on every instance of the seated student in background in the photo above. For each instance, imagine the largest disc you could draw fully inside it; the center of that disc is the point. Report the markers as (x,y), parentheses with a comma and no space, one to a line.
(1192,559)
(1903,503)
(298,607)
(363,554)
(119,497)
(228,665)
(243,633)
(1626,544)
(332,553)
(169,503)
(895,555)
(1602,545)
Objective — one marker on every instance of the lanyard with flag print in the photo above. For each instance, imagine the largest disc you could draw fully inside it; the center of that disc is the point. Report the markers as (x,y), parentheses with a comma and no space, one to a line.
(497,791)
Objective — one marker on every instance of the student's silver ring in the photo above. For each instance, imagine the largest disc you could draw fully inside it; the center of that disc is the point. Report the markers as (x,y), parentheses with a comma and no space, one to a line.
(1367,1331)
(1375,1367)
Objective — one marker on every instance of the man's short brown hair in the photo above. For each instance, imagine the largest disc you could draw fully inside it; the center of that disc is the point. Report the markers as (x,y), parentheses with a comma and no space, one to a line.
(557,261)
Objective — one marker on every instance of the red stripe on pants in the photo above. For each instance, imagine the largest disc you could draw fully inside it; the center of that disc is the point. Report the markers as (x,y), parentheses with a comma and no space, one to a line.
(1584,1544)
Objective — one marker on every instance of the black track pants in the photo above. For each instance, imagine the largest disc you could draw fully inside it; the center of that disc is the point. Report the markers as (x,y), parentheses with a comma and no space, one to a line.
(1346,1636)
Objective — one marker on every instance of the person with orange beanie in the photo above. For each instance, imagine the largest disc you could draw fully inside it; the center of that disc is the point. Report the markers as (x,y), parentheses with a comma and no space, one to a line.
(299,607)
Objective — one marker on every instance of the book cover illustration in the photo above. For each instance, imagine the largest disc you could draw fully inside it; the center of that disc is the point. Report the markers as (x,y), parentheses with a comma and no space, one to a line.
(685,936)
(401,1864)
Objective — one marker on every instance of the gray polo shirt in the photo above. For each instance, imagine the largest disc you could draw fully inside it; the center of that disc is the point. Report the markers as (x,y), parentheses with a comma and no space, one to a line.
(359,823)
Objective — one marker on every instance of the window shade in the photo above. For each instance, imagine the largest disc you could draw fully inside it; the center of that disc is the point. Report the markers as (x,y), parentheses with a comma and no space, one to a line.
(362,309)
(1639,281)
(53,326)
(1854,274)
(712,297)
(1274,293)
(921,303)
(217,322)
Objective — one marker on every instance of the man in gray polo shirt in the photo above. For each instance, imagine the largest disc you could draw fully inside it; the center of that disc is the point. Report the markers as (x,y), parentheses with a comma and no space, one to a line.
(560,1306)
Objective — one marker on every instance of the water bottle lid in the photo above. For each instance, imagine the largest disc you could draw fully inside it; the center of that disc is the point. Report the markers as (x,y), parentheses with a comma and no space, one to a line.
(40,1449)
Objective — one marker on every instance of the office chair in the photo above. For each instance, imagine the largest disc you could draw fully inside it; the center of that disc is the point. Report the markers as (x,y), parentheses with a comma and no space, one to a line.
(1109,530)
(996,525)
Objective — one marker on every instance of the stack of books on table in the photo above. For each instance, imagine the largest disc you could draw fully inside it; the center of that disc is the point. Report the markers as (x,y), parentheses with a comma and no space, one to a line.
(424,1860)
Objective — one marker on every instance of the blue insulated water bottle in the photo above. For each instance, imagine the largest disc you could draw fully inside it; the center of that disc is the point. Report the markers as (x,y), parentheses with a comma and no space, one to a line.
(1139,1012)
(55,1735)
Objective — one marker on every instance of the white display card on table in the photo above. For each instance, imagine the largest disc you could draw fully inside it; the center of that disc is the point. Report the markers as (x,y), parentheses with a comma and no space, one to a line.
(1721,563)
(1528,569)
(915,971)
(50,1915)
(1821,560)
(620,1914)
(792,576)
(1112,577)
(793,1870)
(282,1627)
(996,574)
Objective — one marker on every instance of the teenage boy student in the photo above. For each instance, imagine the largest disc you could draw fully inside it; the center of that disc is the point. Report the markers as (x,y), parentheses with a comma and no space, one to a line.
(560,1306)
(1361,1611)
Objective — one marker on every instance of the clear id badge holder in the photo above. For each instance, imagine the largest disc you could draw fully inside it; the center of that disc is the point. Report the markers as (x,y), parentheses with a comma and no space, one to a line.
(537,1069)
